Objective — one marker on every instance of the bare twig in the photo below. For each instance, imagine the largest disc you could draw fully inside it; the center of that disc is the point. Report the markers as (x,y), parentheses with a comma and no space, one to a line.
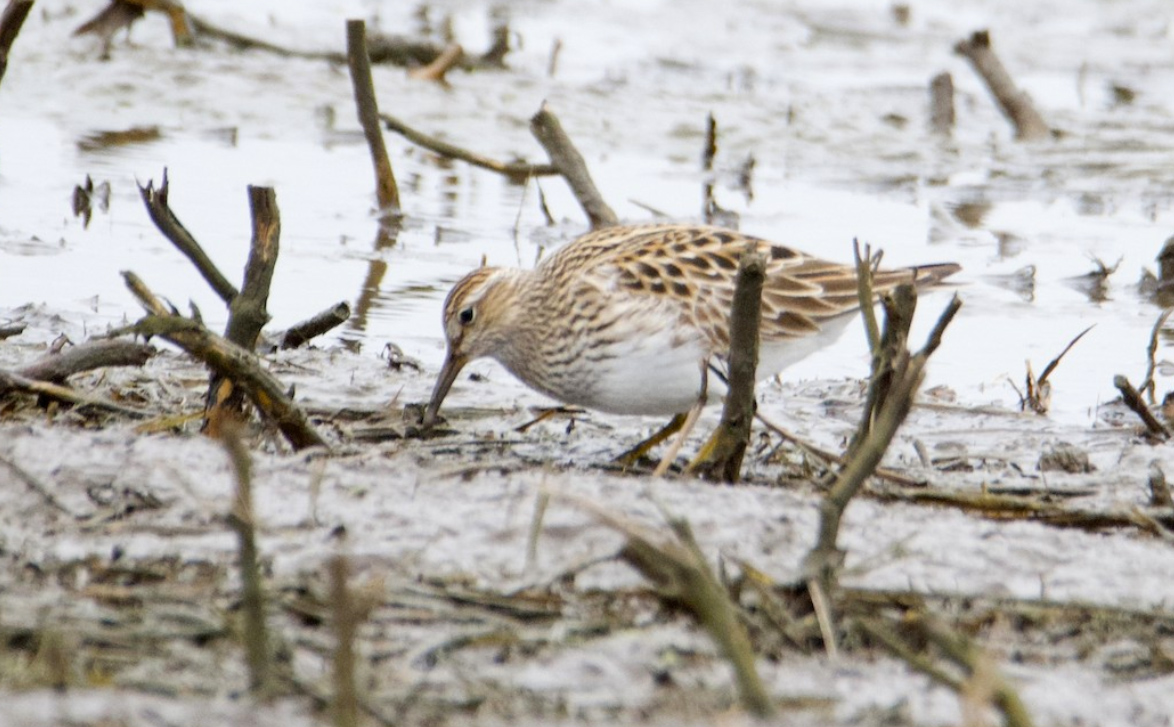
(1159,489)
(516,170)
(941,104)
(709,151)
(229,360)
(248,311)
(962,652)
(96,354)
(721,457)
(1038,393)
(552,63)
(241,519)
(111,19)
(174,231)
(10,380)
(346,695)
(1133,400)
(977,666)
(436,70)
(1147,384)
(681,573)
(864,268)
(896,376)
(359,62)
(566,158)
(1166,263)
(301,333)
(1056,361)
(1014,103)
(830,457)
(10,24)
(36,486)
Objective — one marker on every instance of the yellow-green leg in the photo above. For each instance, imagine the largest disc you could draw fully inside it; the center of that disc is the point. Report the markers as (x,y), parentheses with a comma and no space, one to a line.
(686,428)
(633,455)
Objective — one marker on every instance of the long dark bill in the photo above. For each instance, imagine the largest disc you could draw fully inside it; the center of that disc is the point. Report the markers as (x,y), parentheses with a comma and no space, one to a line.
(448,374)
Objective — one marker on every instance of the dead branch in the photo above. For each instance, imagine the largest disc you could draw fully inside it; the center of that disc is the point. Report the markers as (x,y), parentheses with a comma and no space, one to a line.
(1147,384)
(830,457)
(681,573)
(96,354)
(45,492)
(241,519)
(721,457)
(301,333)
(1159,489)
(9,330)
(109,20)
(896,375)
(167,223)
(979,677)
(1014,103)
(359,62)
(1038,392)
(516,170)
(436,70)
(566,158)
(941,104)
(346,695)
(239,41)
(12,381)
(709,150)
(10,24)
(865,264)
(1133,400)
(1018,507)
(177,18)
(227,359)
(248,311)
(1166,263)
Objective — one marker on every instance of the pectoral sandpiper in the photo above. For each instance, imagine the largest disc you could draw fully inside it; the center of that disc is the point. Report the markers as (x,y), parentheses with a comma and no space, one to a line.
(627,319)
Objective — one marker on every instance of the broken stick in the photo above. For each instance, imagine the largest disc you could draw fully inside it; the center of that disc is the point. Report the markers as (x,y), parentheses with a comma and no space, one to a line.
(57,367)
(896,376)
(10,24)
(160,212)
(248,311)
(299,333)
(1133,400)
(941,104)
(516,171)
(226,359)
(721,457)
(566,158)
(436,70)
(359,62)
(1015,104)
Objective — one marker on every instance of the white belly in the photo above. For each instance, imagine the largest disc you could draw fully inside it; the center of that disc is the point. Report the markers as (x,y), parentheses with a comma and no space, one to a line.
(651,378)
(655,379)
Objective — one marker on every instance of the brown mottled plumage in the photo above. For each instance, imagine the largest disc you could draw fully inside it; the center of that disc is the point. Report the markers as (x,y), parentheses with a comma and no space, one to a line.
(624,319)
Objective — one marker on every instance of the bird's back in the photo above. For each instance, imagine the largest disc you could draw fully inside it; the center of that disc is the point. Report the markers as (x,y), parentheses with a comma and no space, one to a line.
(694,266)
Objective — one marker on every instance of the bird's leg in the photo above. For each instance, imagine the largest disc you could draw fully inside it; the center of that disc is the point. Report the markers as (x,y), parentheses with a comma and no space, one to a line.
(711,444)
(687,425)
(633,455)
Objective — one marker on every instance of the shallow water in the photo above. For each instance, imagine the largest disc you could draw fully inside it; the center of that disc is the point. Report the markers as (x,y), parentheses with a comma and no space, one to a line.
(830,101)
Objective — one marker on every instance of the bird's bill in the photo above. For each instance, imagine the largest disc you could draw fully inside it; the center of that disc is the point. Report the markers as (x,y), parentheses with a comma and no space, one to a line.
(453,363)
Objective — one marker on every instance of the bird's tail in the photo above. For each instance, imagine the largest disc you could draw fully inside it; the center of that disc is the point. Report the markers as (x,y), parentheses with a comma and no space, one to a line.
(924,276)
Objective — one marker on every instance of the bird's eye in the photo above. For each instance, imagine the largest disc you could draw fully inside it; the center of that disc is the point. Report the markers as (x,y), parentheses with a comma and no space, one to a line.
(465,316)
